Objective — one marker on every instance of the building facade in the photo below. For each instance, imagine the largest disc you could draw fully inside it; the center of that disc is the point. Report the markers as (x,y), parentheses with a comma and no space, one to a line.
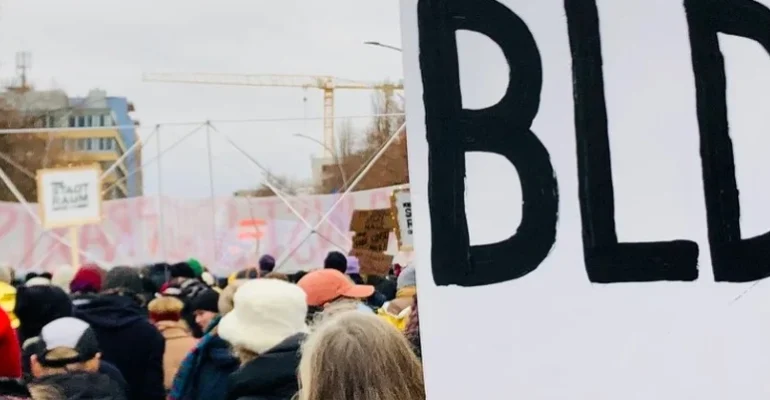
(110,133)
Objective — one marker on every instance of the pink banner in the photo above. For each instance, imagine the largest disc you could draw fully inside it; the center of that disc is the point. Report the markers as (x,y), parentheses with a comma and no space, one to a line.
(226,234)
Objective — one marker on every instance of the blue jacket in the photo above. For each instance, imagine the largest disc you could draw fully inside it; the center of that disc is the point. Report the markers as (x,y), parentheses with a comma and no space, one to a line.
(204,372)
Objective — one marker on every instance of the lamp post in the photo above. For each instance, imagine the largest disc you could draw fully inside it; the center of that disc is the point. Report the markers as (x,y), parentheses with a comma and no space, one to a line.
(387,46)
(331,151)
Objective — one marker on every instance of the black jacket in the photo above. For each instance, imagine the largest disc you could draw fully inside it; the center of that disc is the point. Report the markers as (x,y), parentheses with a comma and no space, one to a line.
(271,376)
(128,341)
(81,386)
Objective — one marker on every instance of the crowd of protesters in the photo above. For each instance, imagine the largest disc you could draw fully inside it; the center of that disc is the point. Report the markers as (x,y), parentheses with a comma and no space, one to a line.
(177,332)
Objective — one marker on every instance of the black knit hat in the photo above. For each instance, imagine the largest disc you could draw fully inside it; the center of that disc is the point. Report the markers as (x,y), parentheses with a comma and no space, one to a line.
(208,300)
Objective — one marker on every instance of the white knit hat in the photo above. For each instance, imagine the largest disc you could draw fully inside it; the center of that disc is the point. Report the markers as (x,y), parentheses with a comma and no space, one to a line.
(267,312)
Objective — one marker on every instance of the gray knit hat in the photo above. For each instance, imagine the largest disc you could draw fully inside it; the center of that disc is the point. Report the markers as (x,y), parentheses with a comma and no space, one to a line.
(407,277)
(123,278)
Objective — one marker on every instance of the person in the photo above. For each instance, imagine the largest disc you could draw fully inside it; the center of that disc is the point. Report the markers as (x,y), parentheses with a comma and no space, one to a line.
(38,281)
(36,306)
(330,291)
(8,294)
(166,315)
(10,350)
(357,356)
(66,364)
(266,264)
(265,330)
(127,338)
(336,260)
(87,280)
(204,306)
(203,373)
(397,311)
(412,332)
(277,275)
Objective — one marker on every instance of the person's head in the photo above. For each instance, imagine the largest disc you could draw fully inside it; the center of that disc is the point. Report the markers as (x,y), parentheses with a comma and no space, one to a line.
(181,270)
(267,312)
(406,283)
(88,279)
(123,278)
(165,308)
(38,281)
(39,305)
(359,356)
(65,345)
(196,267)
(277,275)
(6,274)
(62,277)
(205,307)
(227,297)
(266,263)
(337,261)
(325,286)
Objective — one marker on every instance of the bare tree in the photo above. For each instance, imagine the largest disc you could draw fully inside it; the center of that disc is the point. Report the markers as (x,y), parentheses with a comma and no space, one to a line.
(284,184)
(21,154)
(391,169)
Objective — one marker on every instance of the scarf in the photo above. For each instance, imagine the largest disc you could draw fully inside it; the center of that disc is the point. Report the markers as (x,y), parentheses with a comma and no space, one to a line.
(184,375)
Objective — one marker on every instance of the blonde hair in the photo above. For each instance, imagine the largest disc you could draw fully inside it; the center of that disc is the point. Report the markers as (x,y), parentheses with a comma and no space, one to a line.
(243,354)
(6,273)
(226,301)
(165,305)
(277,275)
(358,356)
(336,307)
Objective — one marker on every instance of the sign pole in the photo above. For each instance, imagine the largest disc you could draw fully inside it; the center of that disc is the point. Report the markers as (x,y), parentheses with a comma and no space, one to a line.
(74,247)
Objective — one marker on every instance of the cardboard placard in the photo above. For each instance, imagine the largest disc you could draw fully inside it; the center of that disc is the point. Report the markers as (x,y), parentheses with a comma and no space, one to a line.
(373,263)
(368,220)
(372,240)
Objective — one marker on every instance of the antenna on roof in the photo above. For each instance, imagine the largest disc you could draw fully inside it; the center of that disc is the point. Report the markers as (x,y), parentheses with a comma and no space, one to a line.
(23,64)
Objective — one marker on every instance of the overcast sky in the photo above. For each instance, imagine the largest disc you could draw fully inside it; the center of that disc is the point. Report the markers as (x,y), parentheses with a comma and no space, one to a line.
(78,45)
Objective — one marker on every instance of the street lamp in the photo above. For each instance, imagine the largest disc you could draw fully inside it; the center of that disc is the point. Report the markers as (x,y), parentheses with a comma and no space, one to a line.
(331,151)
(387,46)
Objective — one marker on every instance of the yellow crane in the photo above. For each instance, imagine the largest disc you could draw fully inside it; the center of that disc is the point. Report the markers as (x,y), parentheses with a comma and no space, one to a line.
(328,84)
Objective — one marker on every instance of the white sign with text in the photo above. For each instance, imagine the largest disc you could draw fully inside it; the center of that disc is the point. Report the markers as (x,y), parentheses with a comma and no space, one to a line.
(69,196)
(588,223)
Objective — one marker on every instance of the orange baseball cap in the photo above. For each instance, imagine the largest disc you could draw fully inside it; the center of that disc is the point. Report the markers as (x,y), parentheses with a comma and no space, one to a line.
(325,285)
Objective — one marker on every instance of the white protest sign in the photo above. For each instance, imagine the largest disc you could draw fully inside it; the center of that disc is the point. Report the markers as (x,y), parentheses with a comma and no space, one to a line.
(69,196)
(575,184)
(401,203)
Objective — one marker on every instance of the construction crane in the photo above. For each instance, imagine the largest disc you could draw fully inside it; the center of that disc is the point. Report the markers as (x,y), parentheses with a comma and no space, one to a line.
(328,84)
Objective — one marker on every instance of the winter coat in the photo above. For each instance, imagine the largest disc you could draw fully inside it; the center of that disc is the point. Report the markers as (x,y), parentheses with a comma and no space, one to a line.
(204,372)
(10,350)
(79,386)
(127,340)
(271,376)
(179,342)
(8,302)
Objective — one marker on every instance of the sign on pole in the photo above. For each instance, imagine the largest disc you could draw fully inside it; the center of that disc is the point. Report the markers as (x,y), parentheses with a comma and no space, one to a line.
(575,184)
(401,206)
(70,197)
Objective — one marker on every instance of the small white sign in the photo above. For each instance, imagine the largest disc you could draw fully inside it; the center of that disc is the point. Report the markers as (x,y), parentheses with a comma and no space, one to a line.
(402,207)
(69,196)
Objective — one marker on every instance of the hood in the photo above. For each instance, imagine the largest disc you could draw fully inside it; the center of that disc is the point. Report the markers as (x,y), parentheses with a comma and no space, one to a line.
(82,386)
(273,373)
(108,311)
(172,329)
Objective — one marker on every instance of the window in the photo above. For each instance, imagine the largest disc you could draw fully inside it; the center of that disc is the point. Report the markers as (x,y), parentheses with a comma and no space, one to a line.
(72,122)
(81,121)
(89,144)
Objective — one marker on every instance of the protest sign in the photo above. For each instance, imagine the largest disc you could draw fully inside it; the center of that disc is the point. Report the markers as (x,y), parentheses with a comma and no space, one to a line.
(401,206)
(574,182)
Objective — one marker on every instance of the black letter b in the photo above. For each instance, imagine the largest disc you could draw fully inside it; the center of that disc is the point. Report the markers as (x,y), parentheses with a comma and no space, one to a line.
(502,129)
